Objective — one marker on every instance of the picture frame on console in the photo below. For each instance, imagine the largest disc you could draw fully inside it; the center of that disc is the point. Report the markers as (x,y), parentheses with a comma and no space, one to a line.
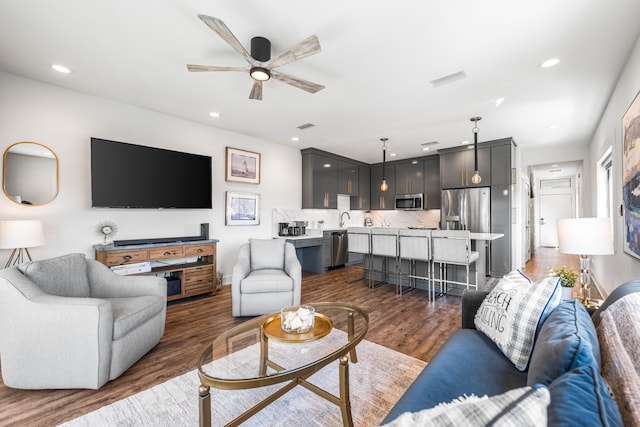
(242,166)
(242,208)
(631,177)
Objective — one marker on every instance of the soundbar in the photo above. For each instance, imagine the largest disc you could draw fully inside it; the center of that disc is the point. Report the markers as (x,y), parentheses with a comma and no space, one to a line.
(204,235)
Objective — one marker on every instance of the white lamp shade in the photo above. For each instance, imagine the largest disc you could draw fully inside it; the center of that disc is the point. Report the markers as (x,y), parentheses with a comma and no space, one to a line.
(21,234)
(585,236)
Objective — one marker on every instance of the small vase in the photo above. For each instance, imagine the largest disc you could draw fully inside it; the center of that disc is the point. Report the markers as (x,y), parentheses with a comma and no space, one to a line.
(567,293)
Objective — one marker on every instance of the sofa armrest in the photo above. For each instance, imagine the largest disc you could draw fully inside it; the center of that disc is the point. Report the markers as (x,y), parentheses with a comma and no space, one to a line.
(471,301)
(294,270)
(104,283)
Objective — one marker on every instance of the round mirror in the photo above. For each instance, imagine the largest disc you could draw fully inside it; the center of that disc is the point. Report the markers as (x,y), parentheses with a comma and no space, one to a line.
(30,173)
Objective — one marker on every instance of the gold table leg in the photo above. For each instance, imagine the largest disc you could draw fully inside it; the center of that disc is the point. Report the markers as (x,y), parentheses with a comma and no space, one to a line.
(350,333)
(345,401)
(205,406)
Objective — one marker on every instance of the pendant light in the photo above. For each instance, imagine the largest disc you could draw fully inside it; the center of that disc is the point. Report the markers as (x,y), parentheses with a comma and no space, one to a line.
(476,178)
(384,186)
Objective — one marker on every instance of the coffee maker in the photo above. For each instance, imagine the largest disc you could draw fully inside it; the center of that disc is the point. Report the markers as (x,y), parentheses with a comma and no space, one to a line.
(283,229)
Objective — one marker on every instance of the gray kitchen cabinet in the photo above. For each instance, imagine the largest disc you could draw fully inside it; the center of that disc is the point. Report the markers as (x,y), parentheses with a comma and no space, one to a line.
(457,167)
(382,200)
(363,200)
(409,177)
(431,173)
(319,181)
(348,178)
(501,164)
(501,223)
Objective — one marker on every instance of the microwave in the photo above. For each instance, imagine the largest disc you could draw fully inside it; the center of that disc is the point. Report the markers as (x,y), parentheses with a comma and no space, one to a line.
(410,202)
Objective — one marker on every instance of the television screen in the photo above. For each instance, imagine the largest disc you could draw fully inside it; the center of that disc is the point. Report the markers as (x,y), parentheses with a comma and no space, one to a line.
(134,176)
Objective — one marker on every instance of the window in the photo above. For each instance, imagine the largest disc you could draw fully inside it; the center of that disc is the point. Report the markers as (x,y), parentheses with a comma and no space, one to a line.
(605,184)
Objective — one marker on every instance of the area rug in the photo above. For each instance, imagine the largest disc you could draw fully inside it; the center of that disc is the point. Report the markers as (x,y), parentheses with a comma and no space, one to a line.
(376,383)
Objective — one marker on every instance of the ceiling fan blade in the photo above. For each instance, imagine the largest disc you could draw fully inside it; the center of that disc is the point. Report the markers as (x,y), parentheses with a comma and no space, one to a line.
(256,90)
(307,47)
(192,67)
(297,82)
(225,33)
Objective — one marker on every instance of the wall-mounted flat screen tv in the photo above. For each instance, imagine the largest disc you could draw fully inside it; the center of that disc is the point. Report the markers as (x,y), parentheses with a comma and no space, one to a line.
(134,176)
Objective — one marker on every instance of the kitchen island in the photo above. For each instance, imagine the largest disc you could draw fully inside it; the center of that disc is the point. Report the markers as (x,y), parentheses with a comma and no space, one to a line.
(315,250)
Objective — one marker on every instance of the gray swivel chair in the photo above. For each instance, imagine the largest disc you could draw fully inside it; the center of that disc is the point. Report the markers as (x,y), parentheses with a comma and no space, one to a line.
(70,322)
(267,276)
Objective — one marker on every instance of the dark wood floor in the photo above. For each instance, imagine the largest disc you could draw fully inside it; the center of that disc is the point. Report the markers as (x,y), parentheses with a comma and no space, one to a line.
(408,323)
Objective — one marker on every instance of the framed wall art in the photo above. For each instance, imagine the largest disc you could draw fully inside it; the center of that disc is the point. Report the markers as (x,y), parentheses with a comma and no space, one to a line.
(242,209)
(631,177)
(242,166)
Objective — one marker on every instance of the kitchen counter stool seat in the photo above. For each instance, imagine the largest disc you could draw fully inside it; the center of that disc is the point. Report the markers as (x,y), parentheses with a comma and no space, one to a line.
(359,242)
(384,244)
(453,247)
(415,245)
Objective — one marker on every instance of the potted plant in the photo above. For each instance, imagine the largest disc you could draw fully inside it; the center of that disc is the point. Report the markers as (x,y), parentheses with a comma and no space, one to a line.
(568,277)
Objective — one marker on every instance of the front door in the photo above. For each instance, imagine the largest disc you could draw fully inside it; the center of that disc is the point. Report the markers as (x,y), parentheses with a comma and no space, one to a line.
(552,208)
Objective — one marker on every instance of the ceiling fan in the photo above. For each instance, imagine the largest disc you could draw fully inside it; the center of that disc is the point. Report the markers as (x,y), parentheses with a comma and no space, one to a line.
(261,66)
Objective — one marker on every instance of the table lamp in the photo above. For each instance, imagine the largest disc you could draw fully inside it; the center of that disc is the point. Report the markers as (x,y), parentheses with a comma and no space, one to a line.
(20,235)
(585,237)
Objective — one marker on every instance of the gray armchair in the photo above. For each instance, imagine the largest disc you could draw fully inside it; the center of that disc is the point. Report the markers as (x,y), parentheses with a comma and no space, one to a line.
(266,277)
(70,322)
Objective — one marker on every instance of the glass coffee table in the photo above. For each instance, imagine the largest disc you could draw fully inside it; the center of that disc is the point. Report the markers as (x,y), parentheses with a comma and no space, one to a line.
(257,353)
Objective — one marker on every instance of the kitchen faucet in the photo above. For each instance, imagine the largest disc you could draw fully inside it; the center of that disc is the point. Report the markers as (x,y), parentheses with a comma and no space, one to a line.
(341,218)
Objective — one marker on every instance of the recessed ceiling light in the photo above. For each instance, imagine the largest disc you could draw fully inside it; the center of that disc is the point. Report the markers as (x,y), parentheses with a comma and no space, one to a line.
(464,142)
(392,154)
(554,126)
(327,165)
(61,68)
(498,101)
(295,138)
(426,148)
(550,63)
(554,166)
(214,114)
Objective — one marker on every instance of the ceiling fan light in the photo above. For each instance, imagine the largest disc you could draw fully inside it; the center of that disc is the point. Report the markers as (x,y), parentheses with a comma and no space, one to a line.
(260,74)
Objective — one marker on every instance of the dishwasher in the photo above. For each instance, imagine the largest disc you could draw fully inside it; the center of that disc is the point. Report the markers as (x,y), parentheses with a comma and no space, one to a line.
(338,248)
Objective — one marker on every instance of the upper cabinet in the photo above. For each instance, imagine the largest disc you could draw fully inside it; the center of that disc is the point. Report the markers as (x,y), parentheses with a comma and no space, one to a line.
(432,189)
(457,167)
(319,181)
(348,178)
(363,200)
(409,177)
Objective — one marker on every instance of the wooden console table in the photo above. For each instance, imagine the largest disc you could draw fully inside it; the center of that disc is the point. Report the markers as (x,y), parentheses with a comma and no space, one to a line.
(195,266)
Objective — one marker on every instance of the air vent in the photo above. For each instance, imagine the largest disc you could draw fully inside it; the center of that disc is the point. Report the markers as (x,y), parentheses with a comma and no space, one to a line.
(449,78)
(429,144)
(306,126)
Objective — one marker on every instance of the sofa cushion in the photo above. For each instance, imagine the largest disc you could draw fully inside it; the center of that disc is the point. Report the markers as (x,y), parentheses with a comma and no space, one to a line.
(581,398)
(129,313)
(64,276)
(261,281)
(512,312)
(567,340)
(526,406)
(267,253)
(468,363)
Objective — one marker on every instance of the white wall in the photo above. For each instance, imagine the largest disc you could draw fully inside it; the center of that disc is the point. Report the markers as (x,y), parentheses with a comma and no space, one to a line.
(613,270)
(65,120)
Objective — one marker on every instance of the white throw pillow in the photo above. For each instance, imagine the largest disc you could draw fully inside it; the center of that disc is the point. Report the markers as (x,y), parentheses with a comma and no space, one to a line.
(526,407)
(267,253)
(512,312)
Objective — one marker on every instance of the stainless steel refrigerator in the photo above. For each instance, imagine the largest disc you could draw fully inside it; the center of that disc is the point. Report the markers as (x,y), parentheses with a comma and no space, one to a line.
(466,209)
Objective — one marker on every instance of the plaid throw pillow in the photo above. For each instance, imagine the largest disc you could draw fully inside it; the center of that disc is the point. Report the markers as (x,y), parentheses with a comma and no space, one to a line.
(512,312)
(526,406)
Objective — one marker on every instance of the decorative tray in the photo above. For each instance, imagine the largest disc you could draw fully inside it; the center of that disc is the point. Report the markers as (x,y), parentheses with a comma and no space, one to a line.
(272,328)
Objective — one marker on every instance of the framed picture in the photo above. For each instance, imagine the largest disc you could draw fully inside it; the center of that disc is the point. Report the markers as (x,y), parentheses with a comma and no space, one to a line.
(242,209)
(242,166)
(631,177)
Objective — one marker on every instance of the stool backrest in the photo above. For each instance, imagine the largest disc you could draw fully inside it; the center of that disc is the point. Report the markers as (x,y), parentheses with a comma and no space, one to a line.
(359,240)
(384,241)
(415,244)
(451,246)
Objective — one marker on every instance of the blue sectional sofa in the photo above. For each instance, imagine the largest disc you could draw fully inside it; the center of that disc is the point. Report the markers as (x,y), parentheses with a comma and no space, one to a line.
(566,358)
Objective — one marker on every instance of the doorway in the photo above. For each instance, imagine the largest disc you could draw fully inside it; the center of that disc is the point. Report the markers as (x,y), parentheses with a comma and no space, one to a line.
(552,208)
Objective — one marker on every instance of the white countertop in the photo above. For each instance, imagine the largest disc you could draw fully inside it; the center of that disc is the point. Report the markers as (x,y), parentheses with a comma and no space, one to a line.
(486,236)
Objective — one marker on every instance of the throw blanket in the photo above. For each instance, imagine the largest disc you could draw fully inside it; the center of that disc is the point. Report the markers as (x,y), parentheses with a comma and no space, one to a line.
(619,336)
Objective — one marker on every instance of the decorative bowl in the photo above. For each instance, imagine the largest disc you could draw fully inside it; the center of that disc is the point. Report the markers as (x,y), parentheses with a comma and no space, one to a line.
(297,320)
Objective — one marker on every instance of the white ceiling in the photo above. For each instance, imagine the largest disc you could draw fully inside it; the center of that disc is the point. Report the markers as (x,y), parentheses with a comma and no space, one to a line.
(377,60)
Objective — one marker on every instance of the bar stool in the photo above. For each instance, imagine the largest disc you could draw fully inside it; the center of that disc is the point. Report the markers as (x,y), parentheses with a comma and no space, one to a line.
(384,243)
(415,246)
(359,242)
(453,247)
